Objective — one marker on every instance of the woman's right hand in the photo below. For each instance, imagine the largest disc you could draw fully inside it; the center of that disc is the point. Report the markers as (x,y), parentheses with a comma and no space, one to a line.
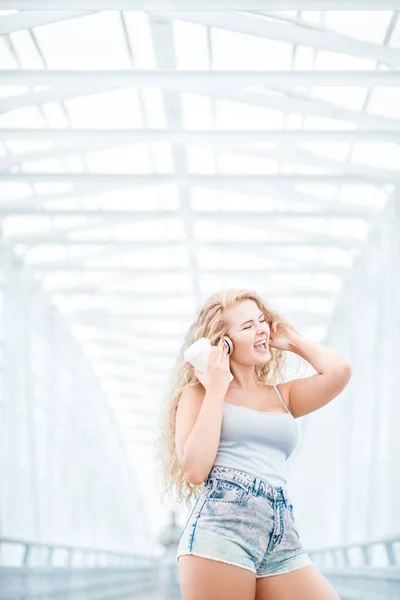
(216,377)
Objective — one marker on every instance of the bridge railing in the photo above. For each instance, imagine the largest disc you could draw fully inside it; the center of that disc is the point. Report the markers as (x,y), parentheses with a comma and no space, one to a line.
(362,571)
(381,552)
(15,552)
(31,570)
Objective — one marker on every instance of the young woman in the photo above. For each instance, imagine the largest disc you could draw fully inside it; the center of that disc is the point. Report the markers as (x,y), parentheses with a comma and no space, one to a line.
(229,440)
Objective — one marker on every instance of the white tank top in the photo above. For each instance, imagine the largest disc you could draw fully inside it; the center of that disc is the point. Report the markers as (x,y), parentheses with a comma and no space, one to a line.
(258,442)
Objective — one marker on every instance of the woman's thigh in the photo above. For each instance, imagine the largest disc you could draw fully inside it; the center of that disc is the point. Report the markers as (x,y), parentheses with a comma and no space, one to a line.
(205,579)
(306,583)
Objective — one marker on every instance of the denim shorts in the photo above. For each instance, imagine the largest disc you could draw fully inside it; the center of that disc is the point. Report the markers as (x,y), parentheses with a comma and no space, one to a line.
(245,521)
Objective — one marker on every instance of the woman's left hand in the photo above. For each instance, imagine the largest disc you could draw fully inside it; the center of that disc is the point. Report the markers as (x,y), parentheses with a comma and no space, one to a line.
(281,335)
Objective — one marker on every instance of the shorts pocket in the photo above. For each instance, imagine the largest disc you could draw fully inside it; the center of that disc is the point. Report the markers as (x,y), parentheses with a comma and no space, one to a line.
(225,490)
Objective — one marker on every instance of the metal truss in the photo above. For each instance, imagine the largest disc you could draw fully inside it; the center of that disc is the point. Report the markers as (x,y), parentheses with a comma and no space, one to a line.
(253,5)
(282,226)
(177,78)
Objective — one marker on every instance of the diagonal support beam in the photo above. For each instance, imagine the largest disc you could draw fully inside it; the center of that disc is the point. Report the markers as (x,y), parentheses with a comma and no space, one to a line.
(294,33)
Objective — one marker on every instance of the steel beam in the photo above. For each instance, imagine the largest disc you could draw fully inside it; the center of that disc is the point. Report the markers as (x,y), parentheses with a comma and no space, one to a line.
(163,40)
(98,292)
(159,78)
(299,103)
(181,136)
(292,154)
(146,272)
(135,179)
(253,5)
(238,217)
(16,21)
(252,245)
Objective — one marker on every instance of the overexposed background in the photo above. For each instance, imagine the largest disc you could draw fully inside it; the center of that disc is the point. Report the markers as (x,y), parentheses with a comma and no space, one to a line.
(149,158)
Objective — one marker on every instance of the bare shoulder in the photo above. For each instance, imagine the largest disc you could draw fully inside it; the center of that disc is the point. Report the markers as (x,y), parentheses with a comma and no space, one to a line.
(186,414)
(191,398)
(284,389)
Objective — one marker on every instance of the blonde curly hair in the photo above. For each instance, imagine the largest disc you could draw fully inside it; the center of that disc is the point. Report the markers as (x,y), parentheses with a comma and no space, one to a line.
(209,323)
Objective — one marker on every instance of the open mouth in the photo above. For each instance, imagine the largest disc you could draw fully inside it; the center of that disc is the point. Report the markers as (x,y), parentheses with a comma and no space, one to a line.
(261,347)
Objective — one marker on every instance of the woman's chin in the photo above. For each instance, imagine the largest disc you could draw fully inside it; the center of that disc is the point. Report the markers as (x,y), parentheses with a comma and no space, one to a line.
(262,360)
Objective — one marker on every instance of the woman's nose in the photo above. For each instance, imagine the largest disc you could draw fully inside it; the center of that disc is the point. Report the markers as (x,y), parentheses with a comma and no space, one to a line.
(263,329)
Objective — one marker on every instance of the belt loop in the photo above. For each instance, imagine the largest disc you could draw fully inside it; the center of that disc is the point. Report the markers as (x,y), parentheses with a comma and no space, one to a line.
(211,483)
(256,485)
(286,496)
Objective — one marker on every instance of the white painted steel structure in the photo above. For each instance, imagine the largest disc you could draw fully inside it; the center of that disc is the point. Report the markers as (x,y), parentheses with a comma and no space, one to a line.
(152,153)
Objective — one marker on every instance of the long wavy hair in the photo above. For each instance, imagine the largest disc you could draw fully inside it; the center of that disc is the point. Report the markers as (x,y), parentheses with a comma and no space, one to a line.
(210,324)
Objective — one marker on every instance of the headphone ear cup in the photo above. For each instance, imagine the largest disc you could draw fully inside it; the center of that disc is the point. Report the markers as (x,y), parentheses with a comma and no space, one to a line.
(229,342)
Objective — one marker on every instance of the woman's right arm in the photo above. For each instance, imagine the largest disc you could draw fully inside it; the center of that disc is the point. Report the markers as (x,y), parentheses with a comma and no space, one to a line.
(199,417)
(198,432)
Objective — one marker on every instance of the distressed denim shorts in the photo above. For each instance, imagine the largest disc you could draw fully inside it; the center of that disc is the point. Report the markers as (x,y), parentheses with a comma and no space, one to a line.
(243,520)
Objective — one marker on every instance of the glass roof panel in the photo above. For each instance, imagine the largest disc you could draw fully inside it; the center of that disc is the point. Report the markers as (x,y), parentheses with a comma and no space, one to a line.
(191,45)
(137,23)
(385,102)
(113,108)
(98,42)
(237,115)
(368,25)
(239,51)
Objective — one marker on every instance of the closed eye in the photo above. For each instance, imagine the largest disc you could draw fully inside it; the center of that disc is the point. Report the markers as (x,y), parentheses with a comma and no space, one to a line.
(263,321)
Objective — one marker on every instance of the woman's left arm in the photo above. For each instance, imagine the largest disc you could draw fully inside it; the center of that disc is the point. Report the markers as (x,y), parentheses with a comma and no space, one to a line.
(333,374)
(308,394)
